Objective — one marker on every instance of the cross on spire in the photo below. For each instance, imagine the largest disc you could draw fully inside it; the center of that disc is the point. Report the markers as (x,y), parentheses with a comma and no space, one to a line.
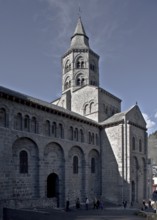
(79,11)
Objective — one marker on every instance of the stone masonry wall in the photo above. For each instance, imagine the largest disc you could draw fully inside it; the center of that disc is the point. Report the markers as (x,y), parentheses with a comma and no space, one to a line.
(46,154)
(112,147)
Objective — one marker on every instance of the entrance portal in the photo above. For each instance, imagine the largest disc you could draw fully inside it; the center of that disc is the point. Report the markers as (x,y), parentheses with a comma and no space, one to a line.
(53,186)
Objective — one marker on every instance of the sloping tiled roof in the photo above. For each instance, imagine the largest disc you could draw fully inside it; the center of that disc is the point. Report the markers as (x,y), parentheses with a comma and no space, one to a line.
(114,119)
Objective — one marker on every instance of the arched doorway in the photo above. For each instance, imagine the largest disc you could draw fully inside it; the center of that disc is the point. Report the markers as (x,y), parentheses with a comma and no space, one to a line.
(53,187)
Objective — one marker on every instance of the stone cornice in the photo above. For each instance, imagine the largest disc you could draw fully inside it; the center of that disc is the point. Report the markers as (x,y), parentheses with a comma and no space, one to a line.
(84,50)
(113,124)
(137,125)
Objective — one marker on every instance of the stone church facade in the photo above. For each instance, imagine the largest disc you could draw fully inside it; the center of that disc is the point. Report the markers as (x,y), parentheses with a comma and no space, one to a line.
(79,146)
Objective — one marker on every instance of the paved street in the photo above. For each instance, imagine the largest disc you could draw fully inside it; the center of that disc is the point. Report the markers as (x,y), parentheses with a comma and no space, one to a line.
(97,215)
(49,214)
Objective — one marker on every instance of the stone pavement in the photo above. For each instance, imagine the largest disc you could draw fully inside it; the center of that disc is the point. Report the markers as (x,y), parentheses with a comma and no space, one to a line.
(73,214)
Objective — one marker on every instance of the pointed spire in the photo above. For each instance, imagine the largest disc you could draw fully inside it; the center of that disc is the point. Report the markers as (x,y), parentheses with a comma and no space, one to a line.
(79,28)
(79,38)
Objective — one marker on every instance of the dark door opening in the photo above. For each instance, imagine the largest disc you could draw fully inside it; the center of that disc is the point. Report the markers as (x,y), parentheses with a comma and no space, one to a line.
(52,185)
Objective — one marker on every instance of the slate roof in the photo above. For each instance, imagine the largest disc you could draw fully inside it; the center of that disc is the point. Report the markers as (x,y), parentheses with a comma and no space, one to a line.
(118,117)
(79,40)
(79,28)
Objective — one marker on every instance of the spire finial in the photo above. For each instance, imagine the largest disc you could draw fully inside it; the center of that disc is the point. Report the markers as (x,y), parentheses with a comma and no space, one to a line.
(79,11)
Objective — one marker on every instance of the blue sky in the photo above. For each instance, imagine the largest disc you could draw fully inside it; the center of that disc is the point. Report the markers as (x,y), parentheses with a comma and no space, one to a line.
(34,34)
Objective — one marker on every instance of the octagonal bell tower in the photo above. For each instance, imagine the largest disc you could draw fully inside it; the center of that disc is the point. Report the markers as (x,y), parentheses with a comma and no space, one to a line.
(79,64)
(80,81)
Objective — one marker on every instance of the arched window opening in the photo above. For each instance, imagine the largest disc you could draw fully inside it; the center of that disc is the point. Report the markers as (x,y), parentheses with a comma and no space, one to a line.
(75,164)
(91,109)
(34,125)
(93,165)
(71,133)
(133,143)
(2,117)
(89,137)
(67,83)
(54,129)
(18,122)
(23,162)
(67,66)
(78,82)
(61,131)
(76,134)
(80,63)
(86,109)
(82,135)
(26,123)
(140,145)
(97,139)
(82,81)
(47,128)
(93,141)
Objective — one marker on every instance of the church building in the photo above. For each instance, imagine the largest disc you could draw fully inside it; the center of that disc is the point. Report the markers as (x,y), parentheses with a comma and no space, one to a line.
(80,145)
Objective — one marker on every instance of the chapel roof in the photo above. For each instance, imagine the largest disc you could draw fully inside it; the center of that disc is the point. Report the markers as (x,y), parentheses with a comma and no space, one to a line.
(118,117)
(132,116)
